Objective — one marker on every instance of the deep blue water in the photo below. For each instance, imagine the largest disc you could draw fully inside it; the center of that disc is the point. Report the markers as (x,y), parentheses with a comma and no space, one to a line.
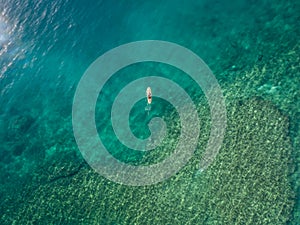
(46,46)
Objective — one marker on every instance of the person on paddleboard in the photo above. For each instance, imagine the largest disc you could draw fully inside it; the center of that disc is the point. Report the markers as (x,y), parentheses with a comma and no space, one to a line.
(149,95)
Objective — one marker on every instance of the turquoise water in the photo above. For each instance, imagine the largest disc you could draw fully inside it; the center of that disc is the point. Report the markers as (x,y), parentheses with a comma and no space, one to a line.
(252,47)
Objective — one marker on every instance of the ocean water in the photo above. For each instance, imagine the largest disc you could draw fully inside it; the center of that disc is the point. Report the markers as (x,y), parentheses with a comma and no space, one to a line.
(252,48)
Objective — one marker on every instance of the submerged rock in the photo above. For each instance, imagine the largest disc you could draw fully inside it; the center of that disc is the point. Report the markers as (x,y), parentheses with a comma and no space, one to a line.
(248,183)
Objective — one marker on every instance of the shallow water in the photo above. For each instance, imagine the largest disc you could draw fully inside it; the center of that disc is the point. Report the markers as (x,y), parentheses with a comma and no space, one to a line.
(252,47)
